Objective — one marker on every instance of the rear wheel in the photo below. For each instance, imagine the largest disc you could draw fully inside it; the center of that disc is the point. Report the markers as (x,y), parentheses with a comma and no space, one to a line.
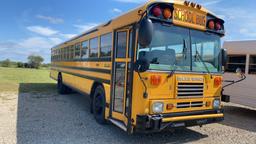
(99,103)
(62,89)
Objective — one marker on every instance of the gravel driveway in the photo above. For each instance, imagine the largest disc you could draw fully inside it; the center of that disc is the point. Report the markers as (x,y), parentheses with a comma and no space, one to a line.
(51,118)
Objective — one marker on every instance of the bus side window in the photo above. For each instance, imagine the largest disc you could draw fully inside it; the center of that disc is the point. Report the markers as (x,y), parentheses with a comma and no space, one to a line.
(106,45)
(130,43)
(69,53)
(121,44)
(72,52)
(61,53)
(94,50)
(77,51)
(85,50)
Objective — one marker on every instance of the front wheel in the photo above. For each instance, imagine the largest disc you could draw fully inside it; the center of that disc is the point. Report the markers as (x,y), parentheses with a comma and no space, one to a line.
(99,103)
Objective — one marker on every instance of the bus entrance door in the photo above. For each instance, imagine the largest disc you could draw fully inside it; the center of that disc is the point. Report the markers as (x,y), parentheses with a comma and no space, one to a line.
(121,78)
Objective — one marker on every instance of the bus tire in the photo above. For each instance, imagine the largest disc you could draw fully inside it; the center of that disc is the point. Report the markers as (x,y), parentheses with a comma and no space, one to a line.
(62,89)
(99,103)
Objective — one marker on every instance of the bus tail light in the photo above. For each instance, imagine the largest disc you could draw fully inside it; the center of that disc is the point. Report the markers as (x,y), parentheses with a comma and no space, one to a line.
(157,11)
(155,80)
(167,13)
(217,81)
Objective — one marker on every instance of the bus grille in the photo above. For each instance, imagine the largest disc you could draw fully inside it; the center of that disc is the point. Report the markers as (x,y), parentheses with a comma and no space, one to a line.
(188,90)
(190,104)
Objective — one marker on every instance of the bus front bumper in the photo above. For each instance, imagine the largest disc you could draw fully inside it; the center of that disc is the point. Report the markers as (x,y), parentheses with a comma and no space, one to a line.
(155,123)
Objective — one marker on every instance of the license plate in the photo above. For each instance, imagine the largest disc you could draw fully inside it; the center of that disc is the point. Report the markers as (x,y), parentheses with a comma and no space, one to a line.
(181,124)
(202,121)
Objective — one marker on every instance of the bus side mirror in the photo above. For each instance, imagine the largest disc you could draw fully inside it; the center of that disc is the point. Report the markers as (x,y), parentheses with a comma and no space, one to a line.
(224,57)
(141,65)
(145,32)
(239,73)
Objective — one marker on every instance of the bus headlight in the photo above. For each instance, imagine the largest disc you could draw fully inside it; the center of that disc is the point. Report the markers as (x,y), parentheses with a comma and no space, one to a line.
(216,104)
(158,107)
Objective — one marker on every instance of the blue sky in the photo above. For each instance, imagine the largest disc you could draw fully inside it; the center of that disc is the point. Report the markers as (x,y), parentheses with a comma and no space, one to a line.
(34,26)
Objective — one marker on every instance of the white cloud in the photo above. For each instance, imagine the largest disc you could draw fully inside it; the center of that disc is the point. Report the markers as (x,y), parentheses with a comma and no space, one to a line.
(50,19)
(35,43)
(48,32)
(68,36)
(45,31)
(247,32)
(116,10)
(55,40)
(131,1)
(85,27)
(20,50)
(210,2)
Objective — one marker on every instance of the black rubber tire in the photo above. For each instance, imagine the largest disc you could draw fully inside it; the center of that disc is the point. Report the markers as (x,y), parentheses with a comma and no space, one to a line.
(62,89)
(99,103)
(91,104)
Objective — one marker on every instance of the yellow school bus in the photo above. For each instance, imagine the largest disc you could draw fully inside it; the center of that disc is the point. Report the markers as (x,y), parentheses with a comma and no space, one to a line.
(156,67)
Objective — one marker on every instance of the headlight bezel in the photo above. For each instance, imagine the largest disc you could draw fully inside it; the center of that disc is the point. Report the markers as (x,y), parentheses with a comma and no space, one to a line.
(216,104)
(159,105)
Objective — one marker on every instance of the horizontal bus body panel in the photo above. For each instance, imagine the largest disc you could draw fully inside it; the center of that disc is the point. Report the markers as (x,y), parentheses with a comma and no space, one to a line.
(97,71)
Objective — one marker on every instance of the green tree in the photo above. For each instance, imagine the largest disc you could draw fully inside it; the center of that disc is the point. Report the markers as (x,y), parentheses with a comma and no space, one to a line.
(20,65)
(35,61)
(6,63)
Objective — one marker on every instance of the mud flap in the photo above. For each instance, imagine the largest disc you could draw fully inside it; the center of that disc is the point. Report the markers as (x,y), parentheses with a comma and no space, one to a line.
(225,98)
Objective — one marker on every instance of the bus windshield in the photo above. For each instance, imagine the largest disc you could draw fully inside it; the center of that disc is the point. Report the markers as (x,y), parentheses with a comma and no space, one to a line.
(182,49)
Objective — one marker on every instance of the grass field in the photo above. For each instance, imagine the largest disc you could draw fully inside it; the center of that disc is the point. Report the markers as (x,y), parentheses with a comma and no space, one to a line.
(25,80)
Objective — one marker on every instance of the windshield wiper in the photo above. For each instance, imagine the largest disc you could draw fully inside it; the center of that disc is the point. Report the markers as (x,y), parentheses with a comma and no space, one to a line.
(175,62)
(201,60)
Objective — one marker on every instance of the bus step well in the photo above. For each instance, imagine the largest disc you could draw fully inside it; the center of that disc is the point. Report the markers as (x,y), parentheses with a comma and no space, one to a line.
(118,124)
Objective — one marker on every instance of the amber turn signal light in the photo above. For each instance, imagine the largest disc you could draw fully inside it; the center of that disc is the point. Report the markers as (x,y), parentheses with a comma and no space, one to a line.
(217,81)
(155,80)
(167,13)
(208,104)
(169,106)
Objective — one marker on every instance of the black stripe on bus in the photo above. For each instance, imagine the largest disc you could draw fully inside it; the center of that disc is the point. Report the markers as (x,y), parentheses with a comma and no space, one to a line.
(106,71)
(84,76)
(105,59)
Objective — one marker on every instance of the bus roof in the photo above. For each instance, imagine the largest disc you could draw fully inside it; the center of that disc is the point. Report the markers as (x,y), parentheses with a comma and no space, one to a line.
(129,13)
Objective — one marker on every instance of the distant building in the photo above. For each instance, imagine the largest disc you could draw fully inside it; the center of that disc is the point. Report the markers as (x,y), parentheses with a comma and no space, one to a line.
(241,54)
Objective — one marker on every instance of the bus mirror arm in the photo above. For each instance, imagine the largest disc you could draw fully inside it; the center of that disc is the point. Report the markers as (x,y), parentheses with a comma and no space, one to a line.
(241,75)
(145,93)
(142,65)
(226,98)
(231,82)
